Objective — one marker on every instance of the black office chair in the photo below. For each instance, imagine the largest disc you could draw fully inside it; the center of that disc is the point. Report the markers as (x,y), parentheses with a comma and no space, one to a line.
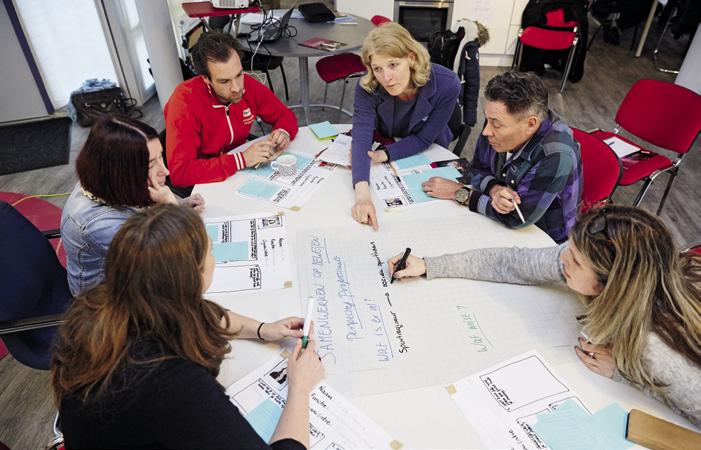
(459,130)
(34,293)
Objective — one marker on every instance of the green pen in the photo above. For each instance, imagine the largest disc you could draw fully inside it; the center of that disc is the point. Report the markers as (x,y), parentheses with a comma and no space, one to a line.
(307,321)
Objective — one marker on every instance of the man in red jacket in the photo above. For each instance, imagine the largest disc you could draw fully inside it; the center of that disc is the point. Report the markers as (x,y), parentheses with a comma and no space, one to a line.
(212,113)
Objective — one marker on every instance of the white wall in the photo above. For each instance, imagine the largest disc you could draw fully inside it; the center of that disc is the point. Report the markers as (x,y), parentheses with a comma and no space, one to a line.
(19,96)
(501,17)
(367,8)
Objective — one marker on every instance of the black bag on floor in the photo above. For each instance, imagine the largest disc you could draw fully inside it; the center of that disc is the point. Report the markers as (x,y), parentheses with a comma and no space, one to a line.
(90,106)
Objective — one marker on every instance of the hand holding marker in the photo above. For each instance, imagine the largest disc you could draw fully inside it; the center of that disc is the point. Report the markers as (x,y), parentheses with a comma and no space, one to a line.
(307,321)
(401,265)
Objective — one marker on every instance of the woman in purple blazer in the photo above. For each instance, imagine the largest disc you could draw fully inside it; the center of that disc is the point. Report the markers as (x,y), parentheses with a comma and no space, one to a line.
(403,95)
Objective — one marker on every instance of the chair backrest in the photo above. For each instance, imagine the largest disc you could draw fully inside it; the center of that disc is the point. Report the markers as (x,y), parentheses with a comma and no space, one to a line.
(378,20)
(601,169)
(32,283)
(556,18)
(662,113)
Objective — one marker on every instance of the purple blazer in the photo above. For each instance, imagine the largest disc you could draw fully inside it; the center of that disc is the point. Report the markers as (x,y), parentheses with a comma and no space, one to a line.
(435,104)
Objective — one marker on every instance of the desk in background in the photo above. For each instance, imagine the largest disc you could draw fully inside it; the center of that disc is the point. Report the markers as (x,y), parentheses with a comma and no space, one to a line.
(351,35)
(426,417)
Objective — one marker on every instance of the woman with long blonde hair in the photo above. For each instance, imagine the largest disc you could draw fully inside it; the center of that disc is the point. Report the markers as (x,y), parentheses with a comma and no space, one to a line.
(135,363)
(642,297)
(402,95)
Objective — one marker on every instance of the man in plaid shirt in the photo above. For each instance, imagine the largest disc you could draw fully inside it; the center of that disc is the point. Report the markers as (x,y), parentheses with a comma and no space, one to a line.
(524,157)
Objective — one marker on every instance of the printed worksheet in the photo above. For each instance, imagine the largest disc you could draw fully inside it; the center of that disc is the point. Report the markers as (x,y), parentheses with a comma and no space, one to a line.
(397,185)
(290,192)
(335,424)
(502,401)
(251,253)
(375,336)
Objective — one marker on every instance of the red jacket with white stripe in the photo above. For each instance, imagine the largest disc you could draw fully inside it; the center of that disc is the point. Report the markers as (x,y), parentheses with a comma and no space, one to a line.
(200,130)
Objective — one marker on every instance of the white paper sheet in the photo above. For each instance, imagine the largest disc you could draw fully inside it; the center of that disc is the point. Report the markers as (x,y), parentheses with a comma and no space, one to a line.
(251,253)
(287,192)
(621,147)
(376,337)
(339,151)
(502,401)
(390,182)
(335,424)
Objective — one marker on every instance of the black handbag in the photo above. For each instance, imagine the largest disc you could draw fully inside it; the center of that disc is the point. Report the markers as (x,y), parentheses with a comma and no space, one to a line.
(316,12)
(90,106)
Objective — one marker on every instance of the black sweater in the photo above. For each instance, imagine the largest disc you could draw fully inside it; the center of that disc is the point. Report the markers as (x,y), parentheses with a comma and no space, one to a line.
(175,404)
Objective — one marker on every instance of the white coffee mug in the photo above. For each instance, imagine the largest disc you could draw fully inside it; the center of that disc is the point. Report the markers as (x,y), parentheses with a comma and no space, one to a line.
(286,165)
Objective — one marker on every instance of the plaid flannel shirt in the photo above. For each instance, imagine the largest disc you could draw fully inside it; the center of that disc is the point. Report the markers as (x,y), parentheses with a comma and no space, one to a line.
(550,184)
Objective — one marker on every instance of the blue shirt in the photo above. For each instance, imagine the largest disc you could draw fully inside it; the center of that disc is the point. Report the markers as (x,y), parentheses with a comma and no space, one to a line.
(87,228)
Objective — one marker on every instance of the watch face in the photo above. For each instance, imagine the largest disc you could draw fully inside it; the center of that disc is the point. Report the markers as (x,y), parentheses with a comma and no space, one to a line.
(461,195)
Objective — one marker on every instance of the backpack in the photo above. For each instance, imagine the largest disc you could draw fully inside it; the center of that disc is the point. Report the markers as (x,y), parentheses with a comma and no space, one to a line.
(443,46)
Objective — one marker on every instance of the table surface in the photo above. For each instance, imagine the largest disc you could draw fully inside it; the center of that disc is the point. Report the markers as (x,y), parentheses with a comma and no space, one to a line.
(351,35)
(419,418)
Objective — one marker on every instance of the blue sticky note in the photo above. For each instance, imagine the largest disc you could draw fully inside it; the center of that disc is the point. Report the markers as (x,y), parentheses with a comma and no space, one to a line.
(230,251)
(264,418)
(302,162)
(570,427)
(612,421)
(324,130)
(412,161)
(259,189)
(213,232)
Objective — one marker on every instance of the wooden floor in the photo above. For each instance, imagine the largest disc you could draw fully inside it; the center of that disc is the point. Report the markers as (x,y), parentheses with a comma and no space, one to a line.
(26,409)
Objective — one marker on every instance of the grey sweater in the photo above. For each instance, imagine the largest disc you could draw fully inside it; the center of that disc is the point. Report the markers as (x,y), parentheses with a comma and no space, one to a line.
(542,265)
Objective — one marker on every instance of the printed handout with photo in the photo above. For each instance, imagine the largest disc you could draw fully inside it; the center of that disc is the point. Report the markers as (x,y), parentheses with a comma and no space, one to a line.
(250,252)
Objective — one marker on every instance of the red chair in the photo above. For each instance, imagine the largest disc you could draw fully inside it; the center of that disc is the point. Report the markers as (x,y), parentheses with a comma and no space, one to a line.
(693,248)
(557,34)
(601,170)
(344,66)
(378,20)
(661,113)
(43,215)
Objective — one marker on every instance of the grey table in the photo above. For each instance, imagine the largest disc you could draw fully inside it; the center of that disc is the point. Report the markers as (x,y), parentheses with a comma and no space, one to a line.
(351,35)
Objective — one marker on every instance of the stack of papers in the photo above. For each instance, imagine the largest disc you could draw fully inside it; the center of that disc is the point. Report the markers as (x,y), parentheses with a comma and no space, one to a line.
(324,130)
(621,147)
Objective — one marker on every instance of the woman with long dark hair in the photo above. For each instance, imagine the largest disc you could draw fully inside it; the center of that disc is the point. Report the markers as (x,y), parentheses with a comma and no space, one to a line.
(136,361)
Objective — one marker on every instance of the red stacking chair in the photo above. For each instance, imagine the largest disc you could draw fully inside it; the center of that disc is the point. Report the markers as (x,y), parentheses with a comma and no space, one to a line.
(557,34)
(343,66)
(601,170)
(693,248)
(378,20)
(661,113)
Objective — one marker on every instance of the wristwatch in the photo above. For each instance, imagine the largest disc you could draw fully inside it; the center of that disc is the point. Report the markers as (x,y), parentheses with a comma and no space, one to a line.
(462,195)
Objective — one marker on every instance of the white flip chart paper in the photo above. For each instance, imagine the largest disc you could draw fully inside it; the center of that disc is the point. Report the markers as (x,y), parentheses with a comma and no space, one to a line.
(376,337)
(502,401)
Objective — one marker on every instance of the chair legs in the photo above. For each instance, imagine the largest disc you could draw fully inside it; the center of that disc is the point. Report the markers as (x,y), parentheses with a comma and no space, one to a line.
(672,176)
(648,182)
(326,91)
(284,82)
(568,66)
(516,63)
(343,94)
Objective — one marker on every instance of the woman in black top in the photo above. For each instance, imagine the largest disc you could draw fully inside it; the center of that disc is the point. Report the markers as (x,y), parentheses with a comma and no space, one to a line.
(136,361)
